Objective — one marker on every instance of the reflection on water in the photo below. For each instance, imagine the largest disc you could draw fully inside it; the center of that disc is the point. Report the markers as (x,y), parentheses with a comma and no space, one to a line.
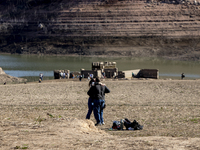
(28,65)
(21,73)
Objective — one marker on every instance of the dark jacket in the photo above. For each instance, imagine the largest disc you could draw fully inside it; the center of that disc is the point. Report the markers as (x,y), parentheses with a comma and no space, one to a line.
(98,91)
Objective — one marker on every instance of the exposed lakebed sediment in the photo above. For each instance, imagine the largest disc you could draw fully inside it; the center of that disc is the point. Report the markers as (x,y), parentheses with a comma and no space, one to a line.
(102,28)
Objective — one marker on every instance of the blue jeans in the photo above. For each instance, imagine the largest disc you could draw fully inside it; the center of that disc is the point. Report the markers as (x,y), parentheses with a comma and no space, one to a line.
(90,108)
(98,110)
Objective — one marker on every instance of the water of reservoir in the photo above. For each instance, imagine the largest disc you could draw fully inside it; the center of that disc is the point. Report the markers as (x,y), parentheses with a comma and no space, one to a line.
(31,66)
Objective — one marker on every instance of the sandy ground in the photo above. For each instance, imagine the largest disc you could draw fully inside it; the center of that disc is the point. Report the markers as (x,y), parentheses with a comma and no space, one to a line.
(51,115)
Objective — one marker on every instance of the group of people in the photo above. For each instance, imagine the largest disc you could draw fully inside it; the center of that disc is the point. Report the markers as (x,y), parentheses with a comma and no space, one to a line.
(64,75)
(96,101)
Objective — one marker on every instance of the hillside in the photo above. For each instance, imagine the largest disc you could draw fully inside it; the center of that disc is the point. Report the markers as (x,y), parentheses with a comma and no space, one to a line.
(167,29)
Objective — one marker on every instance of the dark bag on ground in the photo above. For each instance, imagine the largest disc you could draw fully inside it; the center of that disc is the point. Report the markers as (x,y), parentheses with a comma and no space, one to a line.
(132,125)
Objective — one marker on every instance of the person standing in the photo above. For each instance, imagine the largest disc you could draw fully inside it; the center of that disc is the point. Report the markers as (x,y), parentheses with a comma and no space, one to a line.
(98,92)
(182,76)
(115,75)
(88,77)
(90,100)
(103,73)
(64,75)
(61,75)
(91,75)
(41,76)
(80,77)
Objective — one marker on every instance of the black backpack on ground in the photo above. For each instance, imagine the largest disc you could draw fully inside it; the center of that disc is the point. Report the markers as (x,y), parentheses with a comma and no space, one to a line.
(133,125)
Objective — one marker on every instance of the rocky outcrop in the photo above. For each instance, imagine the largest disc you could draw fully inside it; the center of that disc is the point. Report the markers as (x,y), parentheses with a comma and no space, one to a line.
(94,27)
(1,71)
(4,78)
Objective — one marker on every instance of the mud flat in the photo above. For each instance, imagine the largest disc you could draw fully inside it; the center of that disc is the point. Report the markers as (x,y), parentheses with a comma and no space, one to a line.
(51,115)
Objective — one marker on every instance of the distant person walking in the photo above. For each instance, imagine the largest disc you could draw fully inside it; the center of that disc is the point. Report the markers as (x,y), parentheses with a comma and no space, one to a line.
(41,76)
(80,77)
(98,93)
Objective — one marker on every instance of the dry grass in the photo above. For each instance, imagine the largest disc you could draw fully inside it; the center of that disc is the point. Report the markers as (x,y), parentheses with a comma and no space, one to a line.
(51,115)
